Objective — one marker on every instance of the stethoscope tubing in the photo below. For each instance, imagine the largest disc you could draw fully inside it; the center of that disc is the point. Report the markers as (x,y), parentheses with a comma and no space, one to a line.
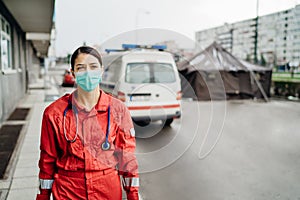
(105,145)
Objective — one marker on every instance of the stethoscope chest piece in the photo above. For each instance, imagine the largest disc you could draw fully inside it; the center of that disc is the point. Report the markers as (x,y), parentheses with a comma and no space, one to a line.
(105,146)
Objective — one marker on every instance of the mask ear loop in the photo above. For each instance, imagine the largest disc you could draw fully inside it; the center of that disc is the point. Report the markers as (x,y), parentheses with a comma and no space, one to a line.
(102,71)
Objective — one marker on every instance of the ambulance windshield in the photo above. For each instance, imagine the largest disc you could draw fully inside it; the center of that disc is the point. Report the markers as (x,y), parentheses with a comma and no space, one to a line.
(150,73)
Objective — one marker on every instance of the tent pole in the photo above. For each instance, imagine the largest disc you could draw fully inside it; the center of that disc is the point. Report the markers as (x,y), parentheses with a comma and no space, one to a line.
(259,86)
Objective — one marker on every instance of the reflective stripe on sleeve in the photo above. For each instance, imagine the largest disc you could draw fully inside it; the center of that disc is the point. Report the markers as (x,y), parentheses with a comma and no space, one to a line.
(46,183)
(132,132)
(131,182)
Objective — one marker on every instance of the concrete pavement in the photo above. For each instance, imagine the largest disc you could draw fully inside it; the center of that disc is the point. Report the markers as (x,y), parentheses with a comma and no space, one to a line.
(22,182)
(256,156)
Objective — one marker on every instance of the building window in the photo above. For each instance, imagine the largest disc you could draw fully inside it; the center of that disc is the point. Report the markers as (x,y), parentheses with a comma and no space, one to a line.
(5,35)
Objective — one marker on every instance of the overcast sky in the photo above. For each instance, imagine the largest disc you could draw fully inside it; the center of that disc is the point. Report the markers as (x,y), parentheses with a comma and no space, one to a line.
(99,21)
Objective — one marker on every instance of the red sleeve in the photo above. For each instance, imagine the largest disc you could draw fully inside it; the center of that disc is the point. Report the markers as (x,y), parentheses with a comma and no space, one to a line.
(48,149)
(48,155)
(125,149)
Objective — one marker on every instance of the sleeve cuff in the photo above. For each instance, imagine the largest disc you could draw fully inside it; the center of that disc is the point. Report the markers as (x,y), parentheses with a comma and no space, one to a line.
(43,197)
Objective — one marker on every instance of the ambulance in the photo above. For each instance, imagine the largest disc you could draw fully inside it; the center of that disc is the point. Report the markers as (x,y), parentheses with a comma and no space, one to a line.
(146,79)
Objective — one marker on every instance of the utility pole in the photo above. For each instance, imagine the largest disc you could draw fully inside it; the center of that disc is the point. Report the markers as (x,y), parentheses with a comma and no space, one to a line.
(256,34)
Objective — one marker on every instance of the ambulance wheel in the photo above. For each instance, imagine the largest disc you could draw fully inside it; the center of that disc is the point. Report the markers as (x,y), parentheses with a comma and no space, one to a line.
(142,123)
(168,122)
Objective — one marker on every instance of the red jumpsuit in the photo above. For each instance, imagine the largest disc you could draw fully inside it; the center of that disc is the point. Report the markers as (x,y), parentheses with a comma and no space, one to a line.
(81,169)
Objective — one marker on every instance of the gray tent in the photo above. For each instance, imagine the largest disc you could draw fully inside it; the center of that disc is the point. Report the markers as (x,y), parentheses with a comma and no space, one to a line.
(215,74)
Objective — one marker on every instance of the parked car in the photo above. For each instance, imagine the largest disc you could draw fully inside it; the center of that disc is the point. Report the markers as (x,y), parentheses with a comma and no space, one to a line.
(68,79)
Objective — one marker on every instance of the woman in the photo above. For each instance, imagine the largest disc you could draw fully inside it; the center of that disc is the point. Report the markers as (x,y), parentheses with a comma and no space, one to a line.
(87,140)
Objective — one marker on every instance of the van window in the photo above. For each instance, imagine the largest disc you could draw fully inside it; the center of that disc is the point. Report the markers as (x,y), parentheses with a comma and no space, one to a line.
(150,73)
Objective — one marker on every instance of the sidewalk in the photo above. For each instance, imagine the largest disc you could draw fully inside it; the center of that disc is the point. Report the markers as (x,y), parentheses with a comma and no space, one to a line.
(24,179)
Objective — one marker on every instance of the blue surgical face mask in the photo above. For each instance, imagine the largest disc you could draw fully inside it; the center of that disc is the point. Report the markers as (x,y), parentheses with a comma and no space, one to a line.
(88,80)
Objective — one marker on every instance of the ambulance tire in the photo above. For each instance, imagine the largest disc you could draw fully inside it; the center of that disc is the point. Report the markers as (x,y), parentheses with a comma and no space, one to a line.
(142,123)
(168,122)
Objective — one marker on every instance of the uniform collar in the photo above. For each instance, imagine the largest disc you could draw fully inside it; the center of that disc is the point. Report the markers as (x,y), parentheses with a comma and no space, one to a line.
(102,104)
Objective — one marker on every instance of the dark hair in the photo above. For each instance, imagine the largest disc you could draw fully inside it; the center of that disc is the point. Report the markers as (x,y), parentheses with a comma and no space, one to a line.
(85,50)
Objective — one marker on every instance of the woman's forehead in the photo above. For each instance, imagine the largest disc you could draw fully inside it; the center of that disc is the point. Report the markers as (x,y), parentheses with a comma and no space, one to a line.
(86,58)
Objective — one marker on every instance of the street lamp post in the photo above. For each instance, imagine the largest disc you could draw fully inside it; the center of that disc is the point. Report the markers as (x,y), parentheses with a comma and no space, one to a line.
(138,12)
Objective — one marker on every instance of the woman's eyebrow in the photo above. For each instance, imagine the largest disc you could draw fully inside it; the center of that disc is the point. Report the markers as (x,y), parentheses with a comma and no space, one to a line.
(79,64)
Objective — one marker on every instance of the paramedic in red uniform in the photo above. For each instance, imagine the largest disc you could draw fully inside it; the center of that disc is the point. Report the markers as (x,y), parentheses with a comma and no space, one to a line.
(87,140)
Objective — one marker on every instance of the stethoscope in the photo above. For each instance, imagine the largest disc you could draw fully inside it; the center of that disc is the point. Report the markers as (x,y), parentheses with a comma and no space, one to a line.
(105,145)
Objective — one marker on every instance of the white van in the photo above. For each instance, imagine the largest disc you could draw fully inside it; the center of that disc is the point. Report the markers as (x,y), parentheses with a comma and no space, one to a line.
(146,80)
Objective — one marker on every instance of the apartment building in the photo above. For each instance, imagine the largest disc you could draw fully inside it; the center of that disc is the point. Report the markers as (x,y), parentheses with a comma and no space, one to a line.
(277,41)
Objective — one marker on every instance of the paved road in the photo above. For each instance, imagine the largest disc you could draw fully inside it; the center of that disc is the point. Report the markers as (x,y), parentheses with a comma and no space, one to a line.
(257,155)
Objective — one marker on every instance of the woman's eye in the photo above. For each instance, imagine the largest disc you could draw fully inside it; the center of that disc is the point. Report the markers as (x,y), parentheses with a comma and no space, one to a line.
(80,68)
(94,66)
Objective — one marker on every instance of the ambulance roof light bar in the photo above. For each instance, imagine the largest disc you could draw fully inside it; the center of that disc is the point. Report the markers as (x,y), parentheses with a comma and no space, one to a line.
(126,47)
(113,50)
(136,46)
